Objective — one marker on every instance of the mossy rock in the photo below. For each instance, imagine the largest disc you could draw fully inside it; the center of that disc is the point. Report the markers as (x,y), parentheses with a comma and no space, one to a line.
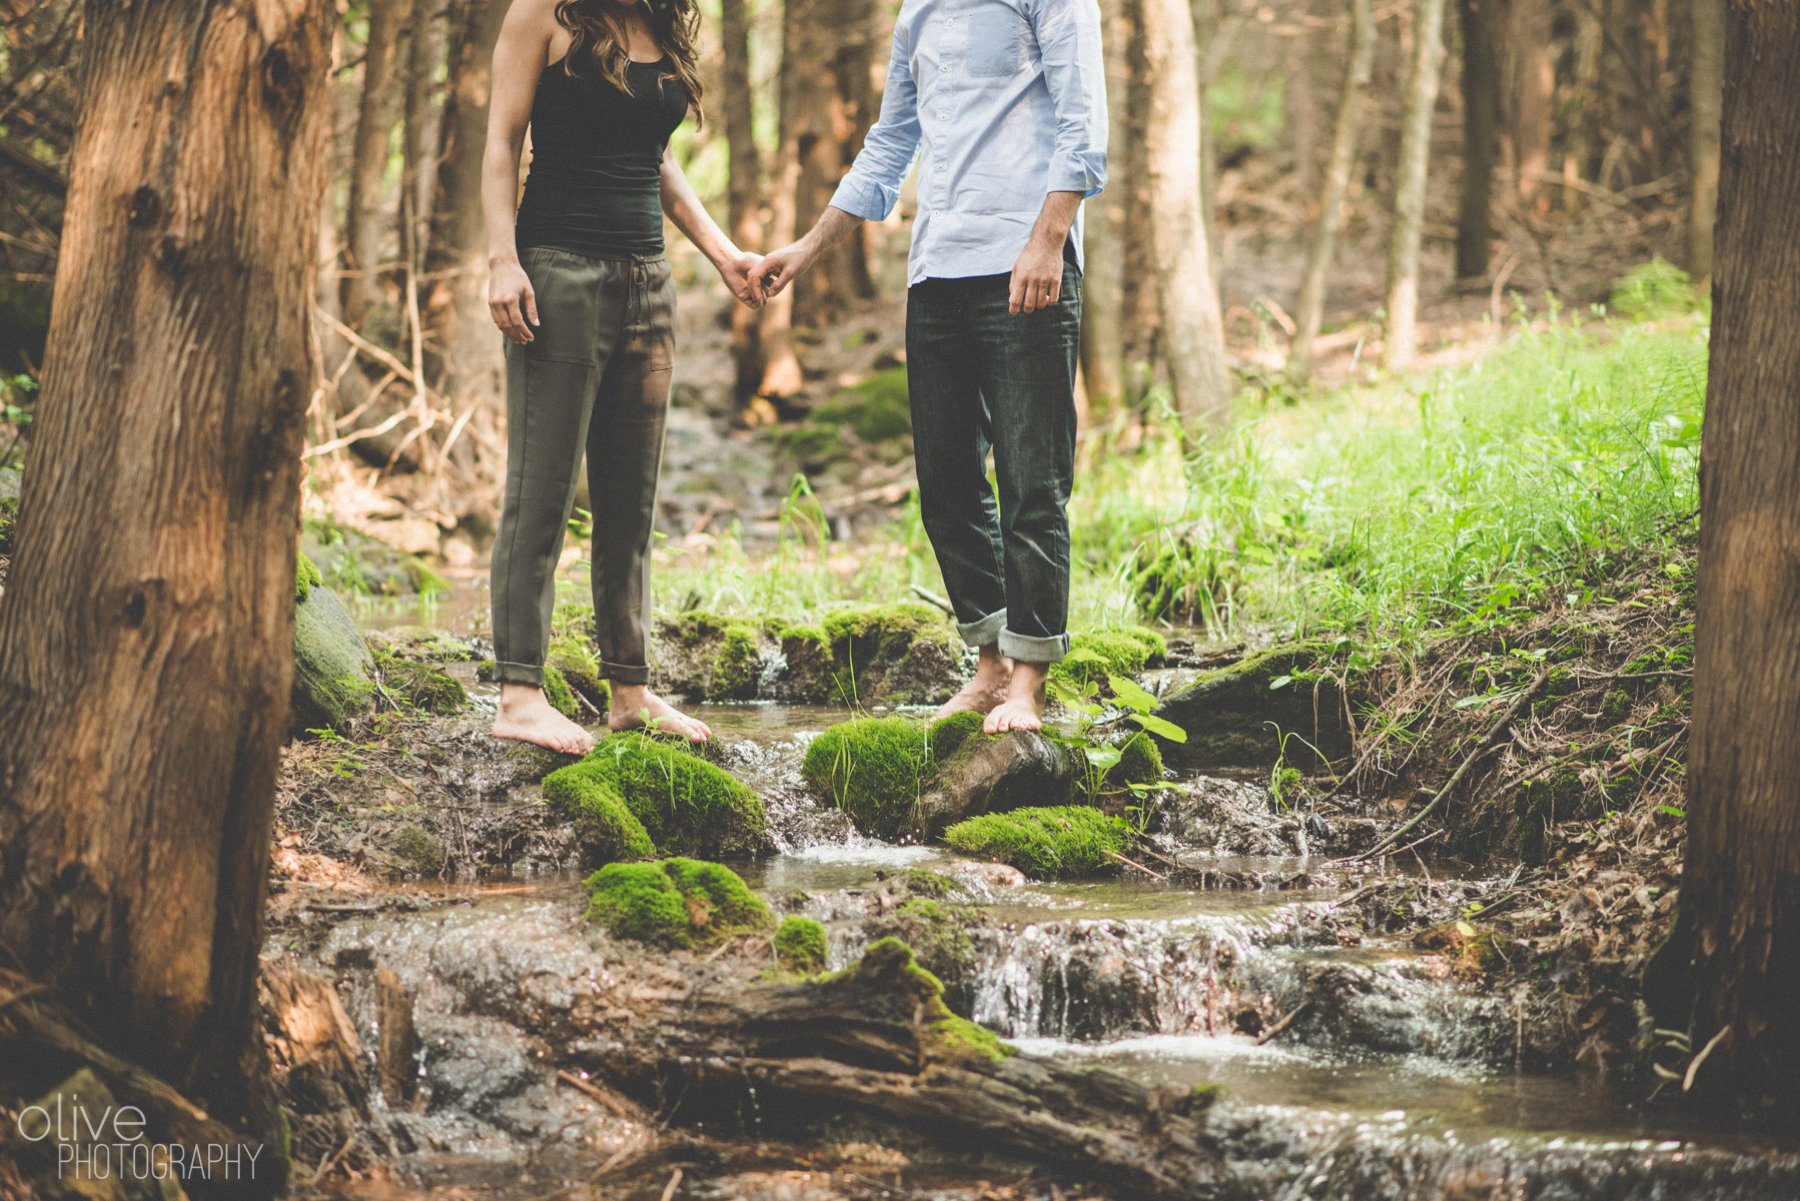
(356,564)
(873,768)
(902,654)
(1094,655)
(334,671)
(939,933)
(1140,765)
(1067,840)
(889,968)
(675,903)
(800,945)
(877,411)
(417,851)
(682,804)
(975,773)
(574,657)
(419,684)
(1236,716)
(704,656)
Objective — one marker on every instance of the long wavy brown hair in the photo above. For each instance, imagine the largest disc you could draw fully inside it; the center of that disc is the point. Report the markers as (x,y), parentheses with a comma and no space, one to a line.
(597,31)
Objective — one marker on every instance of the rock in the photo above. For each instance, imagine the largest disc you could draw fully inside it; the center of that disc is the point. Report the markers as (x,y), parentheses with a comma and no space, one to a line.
(703,656)
(1236,716)
(1067,840)
(86,1152)
(940,935)
(675,903)
(873,769)
(991,775)
(637,795)
(357,563)
(334,672)
(1121,651)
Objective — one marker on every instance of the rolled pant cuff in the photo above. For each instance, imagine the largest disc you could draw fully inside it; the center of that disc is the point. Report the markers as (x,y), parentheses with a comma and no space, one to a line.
(519,673)
(1033,650)
(625,673)
(984,632)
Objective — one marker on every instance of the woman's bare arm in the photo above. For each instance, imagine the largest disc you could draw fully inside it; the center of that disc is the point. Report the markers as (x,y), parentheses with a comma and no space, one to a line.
(737,267)
(519,57)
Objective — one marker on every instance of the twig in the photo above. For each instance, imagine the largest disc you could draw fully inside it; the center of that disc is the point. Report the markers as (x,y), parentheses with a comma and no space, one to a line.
(674,1183)
(1481,748)
(1286,1020)
(932,598)
(1134,863)
(1687,1081)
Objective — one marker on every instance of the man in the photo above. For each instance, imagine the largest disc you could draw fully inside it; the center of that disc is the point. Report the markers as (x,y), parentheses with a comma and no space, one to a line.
(1007,101)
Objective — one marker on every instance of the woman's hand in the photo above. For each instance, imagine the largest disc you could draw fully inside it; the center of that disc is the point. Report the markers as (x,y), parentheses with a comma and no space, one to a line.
(739,270)
(512,301)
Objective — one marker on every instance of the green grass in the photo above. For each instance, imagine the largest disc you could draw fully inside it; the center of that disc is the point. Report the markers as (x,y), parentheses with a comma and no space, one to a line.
(1381,511)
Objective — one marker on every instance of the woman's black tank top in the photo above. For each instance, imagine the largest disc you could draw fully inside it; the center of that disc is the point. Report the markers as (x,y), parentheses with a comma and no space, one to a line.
(596,160)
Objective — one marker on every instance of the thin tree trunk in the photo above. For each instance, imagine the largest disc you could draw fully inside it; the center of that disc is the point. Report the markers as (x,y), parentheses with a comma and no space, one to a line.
(1481,111)
(1706,76)
(1730,973)
(1103,285)
(370,150)
(1409,186)
(1531,84)
(1193,329)
(782,375)
(1143,313)
(744,190)
(470,357)
(146,632)
(424,53)
(825,110)
(1346,134)
(1300,101)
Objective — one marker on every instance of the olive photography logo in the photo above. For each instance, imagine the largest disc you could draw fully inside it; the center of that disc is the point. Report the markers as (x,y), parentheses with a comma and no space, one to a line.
(98,1140)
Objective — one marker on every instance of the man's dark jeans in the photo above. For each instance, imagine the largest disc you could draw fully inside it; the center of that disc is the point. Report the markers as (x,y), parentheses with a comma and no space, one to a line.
(980,378)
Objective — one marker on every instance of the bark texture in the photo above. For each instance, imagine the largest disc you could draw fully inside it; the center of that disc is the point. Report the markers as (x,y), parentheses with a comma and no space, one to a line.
(1730,975)
(146,631)
(1346,136)
(1192,326)
(1481,113)
(1409,184)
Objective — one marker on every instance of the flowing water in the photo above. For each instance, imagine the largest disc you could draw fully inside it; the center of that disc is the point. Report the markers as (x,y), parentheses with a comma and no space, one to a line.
(1393,1078)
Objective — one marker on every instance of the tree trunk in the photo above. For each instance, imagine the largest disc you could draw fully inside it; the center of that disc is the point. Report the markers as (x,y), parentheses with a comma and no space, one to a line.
(1300,100)
(1481,111)
(1706,76)
(370,149)
(1409,185)
(1730,974)
(1103,285)
(1143,313)
(1192,327)
(782,375)
(1345,135)
(146,632)
(471,361)
(744,192)
(424,54)
(1532,80)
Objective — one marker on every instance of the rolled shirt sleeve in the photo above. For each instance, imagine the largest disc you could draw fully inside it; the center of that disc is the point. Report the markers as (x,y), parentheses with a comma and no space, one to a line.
(1068,37)
(872,187)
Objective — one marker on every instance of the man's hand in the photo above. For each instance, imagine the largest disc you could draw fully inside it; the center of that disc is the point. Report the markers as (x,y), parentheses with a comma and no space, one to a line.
(742,273)
(512,301)
(1036,278)
(782,267)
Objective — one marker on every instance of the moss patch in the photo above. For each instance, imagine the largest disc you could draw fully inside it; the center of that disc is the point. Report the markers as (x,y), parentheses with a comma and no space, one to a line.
(800,945)
(306,577)
(873,768)
(333,670)
(685,805)
(559,694)
(709,657)
(1068,840)
(1096,654)
(420,685)
(900,654)
(876,410)
(675,903)
(890,966)
(574,657)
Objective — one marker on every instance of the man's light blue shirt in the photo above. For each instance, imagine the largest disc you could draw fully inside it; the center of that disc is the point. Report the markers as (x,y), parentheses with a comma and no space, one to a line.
(1002,102)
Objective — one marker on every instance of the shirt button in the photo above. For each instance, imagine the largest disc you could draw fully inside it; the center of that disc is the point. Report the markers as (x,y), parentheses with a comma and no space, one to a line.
(944,70)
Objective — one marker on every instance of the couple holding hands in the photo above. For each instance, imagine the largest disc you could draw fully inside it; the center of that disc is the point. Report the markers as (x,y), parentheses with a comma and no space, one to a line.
(1003,103)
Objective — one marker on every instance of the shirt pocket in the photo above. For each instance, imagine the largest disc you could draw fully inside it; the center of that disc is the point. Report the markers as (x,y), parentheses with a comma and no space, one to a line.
(996,42)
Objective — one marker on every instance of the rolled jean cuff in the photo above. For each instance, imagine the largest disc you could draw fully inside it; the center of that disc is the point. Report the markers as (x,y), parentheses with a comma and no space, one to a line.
(625,673)
(984,632)
(519,673)
(1033,650)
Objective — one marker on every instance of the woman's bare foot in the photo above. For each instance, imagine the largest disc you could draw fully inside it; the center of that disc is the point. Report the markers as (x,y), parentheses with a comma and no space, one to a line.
(986,690)
(526,715)
(635,707)
(1023,708)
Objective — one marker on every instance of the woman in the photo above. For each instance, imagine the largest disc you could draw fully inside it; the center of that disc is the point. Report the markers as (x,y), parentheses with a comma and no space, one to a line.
(581,289)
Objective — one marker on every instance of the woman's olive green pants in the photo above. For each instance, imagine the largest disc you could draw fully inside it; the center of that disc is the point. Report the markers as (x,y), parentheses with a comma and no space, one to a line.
(594,381)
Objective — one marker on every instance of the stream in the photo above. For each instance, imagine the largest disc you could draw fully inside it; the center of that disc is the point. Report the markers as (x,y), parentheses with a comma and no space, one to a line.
(1391,1077)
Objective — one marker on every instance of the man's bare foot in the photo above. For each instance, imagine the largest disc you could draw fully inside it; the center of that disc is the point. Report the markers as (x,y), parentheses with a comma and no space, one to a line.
(526,715)
(635,707)
(986,690)
(1023,708)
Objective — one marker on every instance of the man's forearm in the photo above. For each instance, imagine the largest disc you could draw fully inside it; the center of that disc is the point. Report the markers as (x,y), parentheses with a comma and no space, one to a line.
(832,227)
(1055,220)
